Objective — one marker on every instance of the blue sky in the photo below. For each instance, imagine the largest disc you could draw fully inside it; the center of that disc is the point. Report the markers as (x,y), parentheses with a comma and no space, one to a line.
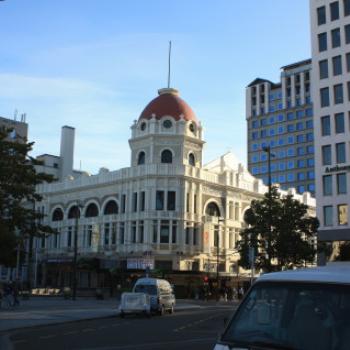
(94,65)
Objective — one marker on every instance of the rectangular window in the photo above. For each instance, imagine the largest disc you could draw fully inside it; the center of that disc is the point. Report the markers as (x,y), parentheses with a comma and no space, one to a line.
(326,155)
(334,7)
(335,33)
(133,232)
(134,202)
(174,233)
(347,33)
(327,185)
(155,231)
(324,96)
(122,232)
(323,67)
(69,236)
(195,235)
(187,202)
(337,68)
(348,85)
(141,232)
(322,42)
(338,93)
(346,4)
(171,200)
(341,183)
(348,62)
(342,214)
(326,125)
(340,152)
(142,201)
(195,204)
(160,200)
(114,233)
(187,235)
(321,15)
(106,233)
(123,203)
(328,215)
(339,123)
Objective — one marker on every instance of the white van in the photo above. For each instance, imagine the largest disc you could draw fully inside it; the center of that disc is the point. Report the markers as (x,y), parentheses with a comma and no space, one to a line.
(304,309)
(160,292)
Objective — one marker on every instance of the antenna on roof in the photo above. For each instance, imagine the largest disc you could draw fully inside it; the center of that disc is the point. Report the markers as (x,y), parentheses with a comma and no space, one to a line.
(169,62)
(15,114)
(23,117)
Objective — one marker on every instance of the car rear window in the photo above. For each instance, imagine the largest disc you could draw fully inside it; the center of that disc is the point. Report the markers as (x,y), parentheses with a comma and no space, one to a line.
(293,315)
(146,288)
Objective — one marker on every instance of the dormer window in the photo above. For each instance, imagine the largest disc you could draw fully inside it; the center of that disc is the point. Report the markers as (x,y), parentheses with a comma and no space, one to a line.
(143,126)
(191,159)
(192,128)
(141,158)
(167,157)
(167,124)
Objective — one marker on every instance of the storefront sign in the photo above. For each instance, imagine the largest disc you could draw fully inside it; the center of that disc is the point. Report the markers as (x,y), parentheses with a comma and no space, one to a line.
(140,263)
(337,168)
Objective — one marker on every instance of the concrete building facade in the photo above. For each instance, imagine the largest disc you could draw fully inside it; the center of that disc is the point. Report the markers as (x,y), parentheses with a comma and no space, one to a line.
(330,38)
(167,211)
(279,116)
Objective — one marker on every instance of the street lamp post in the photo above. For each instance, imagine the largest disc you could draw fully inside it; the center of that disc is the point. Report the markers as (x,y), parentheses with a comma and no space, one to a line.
(217,258)
(75,247)
(267,149)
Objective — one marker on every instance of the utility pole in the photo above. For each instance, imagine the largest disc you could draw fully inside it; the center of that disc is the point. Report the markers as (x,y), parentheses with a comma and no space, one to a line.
(267,149)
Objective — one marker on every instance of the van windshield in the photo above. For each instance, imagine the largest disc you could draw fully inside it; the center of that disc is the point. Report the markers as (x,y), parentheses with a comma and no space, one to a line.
(286,315)
(146,288)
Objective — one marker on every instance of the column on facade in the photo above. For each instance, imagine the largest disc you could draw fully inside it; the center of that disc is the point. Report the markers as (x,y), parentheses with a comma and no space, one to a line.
(258,102)
(292,88)
(284,91)
(267,102)
(248,102)
(302,88)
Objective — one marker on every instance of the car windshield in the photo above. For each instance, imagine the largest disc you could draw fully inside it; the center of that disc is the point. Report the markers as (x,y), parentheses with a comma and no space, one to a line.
(290,315)
(146,288)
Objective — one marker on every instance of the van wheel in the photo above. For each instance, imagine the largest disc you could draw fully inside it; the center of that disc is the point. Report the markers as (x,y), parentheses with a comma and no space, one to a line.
(171,310)
(122,315)
(162,310)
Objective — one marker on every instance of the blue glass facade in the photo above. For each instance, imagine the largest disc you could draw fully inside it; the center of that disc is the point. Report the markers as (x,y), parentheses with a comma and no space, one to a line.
(289,133)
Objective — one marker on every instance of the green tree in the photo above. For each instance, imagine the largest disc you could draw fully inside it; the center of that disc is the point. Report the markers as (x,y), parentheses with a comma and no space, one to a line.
(279,231)
(18,180)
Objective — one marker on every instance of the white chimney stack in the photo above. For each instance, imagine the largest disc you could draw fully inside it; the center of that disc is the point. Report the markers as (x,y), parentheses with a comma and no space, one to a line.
(67,151)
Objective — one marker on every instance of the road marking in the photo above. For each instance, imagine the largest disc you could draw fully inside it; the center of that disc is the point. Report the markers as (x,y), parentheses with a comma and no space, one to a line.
(71,332)
(89,330)
(48,336)
(189,325)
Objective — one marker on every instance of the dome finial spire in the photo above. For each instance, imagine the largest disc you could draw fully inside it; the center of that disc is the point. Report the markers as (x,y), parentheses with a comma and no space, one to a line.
(169,64)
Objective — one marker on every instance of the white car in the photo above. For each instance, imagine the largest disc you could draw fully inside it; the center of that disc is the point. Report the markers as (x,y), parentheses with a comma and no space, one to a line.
(135,303)
(306,309)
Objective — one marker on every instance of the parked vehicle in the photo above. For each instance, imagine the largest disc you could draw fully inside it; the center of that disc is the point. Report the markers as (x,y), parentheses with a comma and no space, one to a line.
(135,303)
(160,291)
(304,309)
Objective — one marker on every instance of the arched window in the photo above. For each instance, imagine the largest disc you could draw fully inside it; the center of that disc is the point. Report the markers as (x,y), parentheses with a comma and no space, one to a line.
(74,212)
(212,209)
(191,159)
(141,158)
(167,157)
(111,208)
(57,215)
(91,210)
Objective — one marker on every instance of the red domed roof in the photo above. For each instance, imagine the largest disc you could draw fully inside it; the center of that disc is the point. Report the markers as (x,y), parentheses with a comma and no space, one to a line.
(168,103)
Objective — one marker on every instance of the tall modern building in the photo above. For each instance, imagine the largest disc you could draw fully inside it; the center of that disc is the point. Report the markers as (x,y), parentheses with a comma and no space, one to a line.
(330,34)
(279,117)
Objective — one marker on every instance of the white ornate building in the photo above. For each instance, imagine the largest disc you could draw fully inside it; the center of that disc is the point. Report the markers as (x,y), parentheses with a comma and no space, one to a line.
(167,210)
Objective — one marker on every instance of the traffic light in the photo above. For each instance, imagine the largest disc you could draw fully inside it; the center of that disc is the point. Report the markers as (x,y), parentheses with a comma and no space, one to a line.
(205,279)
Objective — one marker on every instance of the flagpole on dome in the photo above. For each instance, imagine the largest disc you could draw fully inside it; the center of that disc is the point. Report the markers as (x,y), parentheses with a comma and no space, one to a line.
(169,64)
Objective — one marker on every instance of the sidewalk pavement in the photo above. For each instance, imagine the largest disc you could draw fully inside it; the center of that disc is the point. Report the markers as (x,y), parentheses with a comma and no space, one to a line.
(38,311)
